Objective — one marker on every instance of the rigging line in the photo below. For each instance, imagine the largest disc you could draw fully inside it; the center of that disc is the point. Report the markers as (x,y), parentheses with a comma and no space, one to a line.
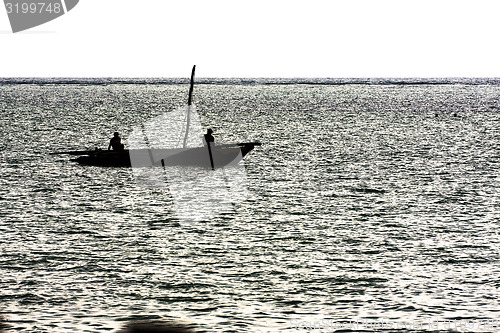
(182,131)
(190,100)
(148,144)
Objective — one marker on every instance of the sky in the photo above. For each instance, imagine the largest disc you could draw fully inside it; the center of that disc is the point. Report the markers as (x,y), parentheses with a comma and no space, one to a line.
(271,38)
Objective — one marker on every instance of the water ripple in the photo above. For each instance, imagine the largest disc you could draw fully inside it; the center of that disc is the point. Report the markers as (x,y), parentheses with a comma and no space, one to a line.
(365,203)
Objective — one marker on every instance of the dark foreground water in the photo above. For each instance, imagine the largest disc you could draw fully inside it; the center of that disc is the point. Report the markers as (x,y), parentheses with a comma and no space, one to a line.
(369,207)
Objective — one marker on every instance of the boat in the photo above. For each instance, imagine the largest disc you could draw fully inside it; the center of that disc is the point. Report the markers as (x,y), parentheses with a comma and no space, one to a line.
(222,155)
(193,152)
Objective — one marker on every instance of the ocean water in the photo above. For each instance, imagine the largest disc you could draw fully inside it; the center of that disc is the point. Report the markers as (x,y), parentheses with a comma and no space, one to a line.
(371,205)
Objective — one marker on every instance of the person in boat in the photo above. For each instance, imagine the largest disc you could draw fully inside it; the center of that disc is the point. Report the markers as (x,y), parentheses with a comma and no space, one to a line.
(116,142)
(209,138)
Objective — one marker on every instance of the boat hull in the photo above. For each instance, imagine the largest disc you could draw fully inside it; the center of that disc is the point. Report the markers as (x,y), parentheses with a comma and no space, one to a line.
(224,155)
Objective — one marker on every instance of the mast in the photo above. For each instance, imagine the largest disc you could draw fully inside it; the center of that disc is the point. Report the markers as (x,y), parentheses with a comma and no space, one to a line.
(190,98)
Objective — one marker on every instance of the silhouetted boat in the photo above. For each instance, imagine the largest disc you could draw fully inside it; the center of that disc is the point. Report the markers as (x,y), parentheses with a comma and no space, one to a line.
(205,156)
(223,155)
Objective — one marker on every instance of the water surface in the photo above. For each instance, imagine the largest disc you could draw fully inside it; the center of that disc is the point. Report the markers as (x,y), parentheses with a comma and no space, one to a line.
(368,201)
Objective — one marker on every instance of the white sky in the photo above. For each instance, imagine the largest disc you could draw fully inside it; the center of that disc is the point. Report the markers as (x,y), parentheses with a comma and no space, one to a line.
(270,38)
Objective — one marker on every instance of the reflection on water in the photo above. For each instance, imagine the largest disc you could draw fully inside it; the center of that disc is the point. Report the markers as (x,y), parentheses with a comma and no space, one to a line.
(361,205)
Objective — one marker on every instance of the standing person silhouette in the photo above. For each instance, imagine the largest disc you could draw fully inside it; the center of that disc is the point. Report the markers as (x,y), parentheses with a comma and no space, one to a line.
(116,142)
(209,138)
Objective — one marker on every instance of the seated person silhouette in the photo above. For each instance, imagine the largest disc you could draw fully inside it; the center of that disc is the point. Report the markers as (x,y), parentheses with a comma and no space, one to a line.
(116,143)
(209,138)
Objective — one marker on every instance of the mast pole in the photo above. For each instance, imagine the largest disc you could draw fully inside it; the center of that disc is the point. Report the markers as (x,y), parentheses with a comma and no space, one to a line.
(190,100)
